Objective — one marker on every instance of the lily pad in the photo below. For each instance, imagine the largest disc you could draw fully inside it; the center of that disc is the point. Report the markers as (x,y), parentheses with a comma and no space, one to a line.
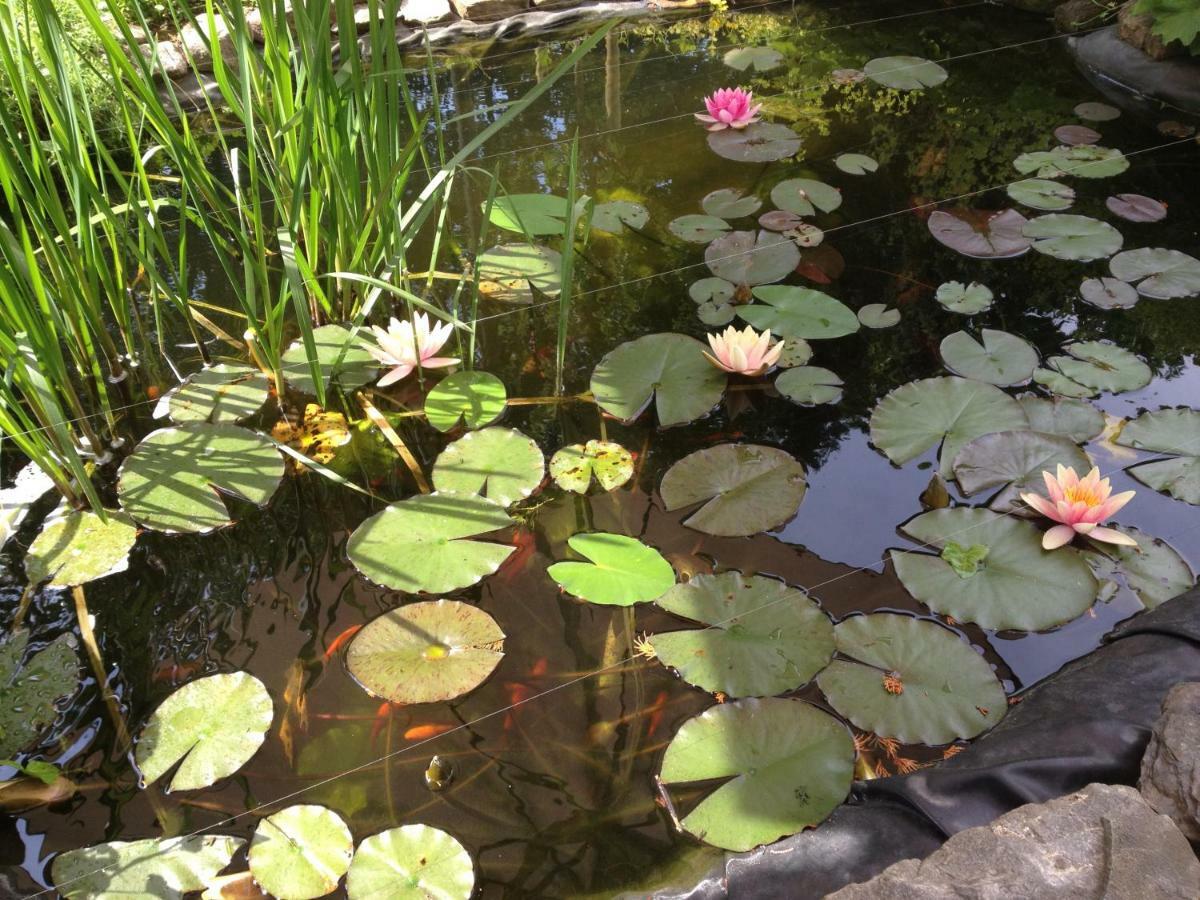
(426,652)
(796,352)
(532,214)
(498,463)
(1041,193)
(511,273)
(612,216)
(913,681)
(809,385)
(878,315)
(1136,208)
(785,764)
(760,142)
(797,312)
(804,196)
(1160,274)
(905,73)
(223,393)
(1102,366)
(856,163)
(1108,293)
(715,314)
(30,691)
(745,488)
(1014,460)
(1169,431)
(918,416)
(573,467)
(1097,112)
(1084,161)
(171,481)
(805,235)
(1074,419)
(1019,586)
(622,570)
(214,724)
(698,229)
(1077,238)
(1153,569)
(711,290)
(999,358)
(762,636)
(748,257)
(1074,135)
(160,868)
(668,368)
(474,399)
(728,203)
(779,220)
(980,234)
(412,862)
(758,59)
(967,299)
(79,547)
(341,356)
(301,852)
(1058,383)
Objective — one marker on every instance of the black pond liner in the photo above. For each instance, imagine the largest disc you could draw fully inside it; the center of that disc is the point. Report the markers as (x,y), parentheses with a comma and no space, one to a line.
(1089,722)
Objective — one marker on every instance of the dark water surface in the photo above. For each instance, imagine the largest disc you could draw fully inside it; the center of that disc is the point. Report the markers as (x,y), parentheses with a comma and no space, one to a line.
(555,797)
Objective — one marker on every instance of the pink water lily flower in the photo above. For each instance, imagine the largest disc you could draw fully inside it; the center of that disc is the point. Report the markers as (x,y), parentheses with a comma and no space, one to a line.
(744,352)
(730,108)
(1080,505)
(405,344)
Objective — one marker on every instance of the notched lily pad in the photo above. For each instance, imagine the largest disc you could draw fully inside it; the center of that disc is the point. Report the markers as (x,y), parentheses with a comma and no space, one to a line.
(728,203)
(159,868)
(223,393)
(809,385)
(856,163)
(621,570)
(1075,238)
(574,467)
(905,73)
(1014,460)
(501,464)
(805,197)
(341,358)
(1108,293)
(980,234)
(512,273)
(748,257)
(1175,432)
(797,312)
(1153,569)
(760,142)
(612,216)
(998,357)
(412,862)
(1085,161)
(30,691)
(1041,193)
(878,315)
(473,399)
(532,214)
(757,59)
(967,299)
(698,229)
(1160,273)
(668,368)
(301,852)
(1136,208)
(1074,419)
(1101,366)
(78,547)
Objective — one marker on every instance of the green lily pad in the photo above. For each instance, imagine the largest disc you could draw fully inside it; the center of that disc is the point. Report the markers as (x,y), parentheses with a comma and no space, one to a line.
(804,196)
(798,312)
(856,163)
(171,481)
(612,216)
(222,393)
(941,689)
(1160,274)
(785,764)
(905,73)
(967,299)
(999,358)
(748,257)
(965,561)
(474,399)
(1136,208)
(780,220)
(412,862)
(1096,112)
(711,290)
(422,543)
(1074,419)
(745,488)
(155,869)
(1020,585)
(622,570)
(698,229)
(763,637)
(1102,366)
(426,652)
(573,467)
(79,547)
(1060,384)
(728,203)
(341,356)
(30,691)
(532,214)
(1168,431)
(510,273)
(796,352)
(918,416)
(760,142)
(1076,238)
(805,235)
(809,385)
(877,315)
(758,59)
(1083,161)
(301,852)
(980,234)
(1041,193)
(1014,460)
(715,314)
(1108,293)
(668,368)
(1153,569)
(214,724)
(498,463)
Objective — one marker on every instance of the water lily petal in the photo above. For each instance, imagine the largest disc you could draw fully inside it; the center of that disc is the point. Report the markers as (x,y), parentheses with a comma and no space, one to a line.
(1057,536)
(1112,536)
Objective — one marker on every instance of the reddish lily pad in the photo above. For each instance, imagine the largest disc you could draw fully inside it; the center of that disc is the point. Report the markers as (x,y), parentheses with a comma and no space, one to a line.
(981,234)
(1136,208)
(1074,135)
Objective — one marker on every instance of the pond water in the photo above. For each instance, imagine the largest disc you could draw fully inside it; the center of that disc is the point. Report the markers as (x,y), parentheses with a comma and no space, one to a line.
(554,756)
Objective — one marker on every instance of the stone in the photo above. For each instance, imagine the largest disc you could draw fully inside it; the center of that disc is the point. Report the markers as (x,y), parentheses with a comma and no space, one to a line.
(1076,15)
(1119,70)
(171,60)
(1101,842)
(194,36)
(1134,30)
(488,10)
(1170,779)
(425,12)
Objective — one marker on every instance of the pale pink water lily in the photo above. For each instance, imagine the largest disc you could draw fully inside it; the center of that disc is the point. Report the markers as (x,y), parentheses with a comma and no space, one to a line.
(730,108)
(405,344)
(1079,505)
(744,352)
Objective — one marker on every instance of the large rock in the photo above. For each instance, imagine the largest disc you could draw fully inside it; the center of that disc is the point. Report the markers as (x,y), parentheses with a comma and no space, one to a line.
(1131,78)
(1135,30)
(171,59)
(425,12)
(195,39)
(1076,15)
(1102,842)
(488,10)
(1170,779)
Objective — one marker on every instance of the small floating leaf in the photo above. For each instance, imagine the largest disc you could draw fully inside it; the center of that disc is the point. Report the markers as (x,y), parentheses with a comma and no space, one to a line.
(980,234)
(510,273)
(1014,460)
(412,862)
(805,197)
(222,393)
(1060,384)
(1108,293)
(1102,366)
(715,314)
(1136,208)
(533,214)
(1077,238)
(498,463)
(797,312)
(1084,161)
(748,257)
(714,290)
(473,398)
(878,315)
(999,358)
(698,229)
(728,203)
(745,488)
(613,215)
(779,220)
(622,570)
(758,59)
(1074,419)
(159,868)
(79,547)
(1171,431)
(426,652)
(760,142)
(796,352)
(805,235)
(30,691)
(1153,569)
(905,73)
(301,852)
(341,356)
(967,299)
(669,368)
(1040,193)
(965,561)
(1074,135)
(856,163)
(809,385)
(1161,274)
(1096,112)
(573,467)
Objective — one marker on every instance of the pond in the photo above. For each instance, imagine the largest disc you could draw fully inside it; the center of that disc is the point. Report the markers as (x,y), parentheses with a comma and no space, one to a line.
(547,770)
